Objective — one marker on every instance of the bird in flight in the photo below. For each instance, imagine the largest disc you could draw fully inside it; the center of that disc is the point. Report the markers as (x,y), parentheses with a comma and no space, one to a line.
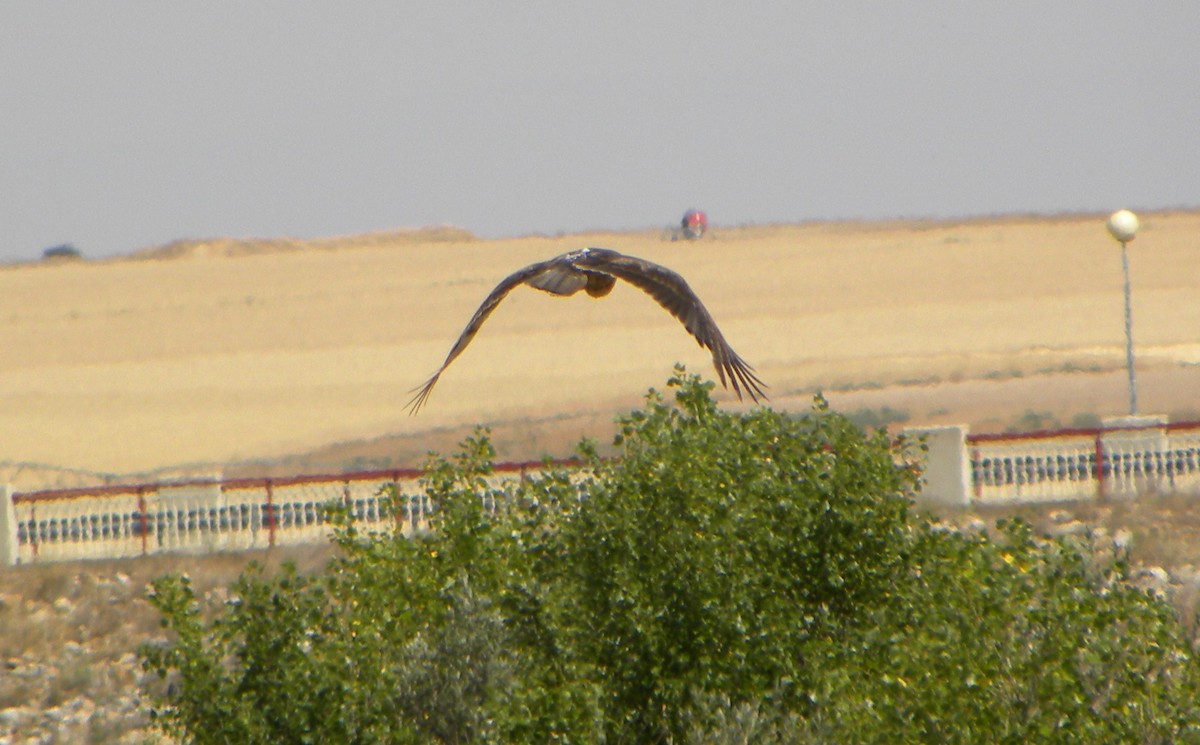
(597,270)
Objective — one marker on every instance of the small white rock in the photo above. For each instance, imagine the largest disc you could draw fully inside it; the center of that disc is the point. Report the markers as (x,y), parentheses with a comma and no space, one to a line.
(1060,516)
(1074,527)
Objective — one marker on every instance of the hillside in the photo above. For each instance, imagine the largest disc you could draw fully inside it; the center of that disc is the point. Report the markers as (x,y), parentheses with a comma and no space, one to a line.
(285,355)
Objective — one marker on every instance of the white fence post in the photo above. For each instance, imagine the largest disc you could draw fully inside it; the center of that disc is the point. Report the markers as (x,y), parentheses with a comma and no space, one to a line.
(947,469)
(8,527)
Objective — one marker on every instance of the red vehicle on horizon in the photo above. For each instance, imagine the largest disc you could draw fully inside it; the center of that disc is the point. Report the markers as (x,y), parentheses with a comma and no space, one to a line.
(694,224)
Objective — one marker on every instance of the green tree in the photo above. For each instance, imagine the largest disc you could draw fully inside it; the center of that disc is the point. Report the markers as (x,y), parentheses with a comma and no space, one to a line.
(718,551)
(728,577)
(1014,639)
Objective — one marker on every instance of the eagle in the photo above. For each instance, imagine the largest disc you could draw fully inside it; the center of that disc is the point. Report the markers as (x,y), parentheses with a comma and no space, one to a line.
(596,270)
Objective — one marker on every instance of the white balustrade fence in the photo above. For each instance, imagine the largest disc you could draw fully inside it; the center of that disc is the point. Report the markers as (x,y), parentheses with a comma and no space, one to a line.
(1122,460)
(1033,469)
(207,516)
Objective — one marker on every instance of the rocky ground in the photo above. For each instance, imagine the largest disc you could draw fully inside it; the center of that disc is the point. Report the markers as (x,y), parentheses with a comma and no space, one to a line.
(70,669)
(69,632)
(69,637)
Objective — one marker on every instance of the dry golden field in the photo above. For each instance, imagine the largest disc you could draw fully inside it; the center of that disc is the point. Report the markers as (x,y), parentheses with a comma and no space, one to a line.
(299,356)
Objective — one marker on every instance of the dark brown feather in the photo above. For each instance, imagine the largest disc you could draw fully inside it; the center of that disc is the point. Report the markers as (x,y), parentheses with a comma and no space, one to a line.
(672,292)
(485,309)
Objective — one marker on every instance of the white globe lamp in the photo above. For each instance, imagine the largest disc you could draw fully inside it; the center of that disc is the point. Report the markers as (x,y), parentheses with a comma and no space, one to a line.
(1123,225)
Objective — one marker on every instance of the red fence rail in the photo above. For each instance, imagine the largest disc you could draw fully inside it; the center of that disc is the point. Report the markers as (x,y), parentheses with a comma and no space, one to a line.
(1122,461)
(209,514)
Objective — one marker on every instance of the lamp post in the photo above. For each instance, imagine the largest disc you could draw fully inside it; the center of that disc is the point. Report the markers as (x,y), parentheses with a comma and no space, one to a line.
(1123,226)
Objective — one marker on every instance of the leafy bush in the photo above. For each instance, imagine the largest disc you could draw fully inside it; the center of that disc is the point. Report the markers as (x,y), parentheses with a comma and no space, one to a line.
(729,578)
(1015,639)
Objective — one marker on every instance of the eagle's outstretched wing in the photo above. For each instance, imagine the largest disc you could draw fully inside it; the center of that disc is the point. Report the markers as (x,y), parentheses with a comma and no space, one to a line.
(485,309)
(596,269)
(558,276)
(673,293)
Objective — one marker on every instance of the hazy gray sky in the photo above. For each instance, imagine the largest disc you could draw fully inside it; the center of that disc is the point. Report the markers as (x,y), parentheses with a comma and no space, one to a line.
(131,124)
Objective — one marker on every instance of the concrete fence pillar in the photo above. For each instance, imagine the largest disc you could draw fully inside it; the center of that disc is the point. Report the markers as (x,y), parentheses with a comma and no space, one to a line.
(1134,447)
(8,527)
(947,467)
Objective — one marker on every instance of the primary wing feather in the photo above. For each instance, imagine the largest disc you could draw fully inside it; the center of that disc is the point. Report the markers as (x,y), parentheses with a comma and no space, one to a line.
(673,293)
(488,305)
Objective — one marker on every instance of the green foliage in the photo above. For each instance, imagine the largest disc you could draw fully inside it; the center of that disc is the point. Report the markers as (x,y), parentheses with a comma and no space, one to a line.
(754,577)
(719,549)
(869,418)
(1034,420)
(1012,640)
(1088,420)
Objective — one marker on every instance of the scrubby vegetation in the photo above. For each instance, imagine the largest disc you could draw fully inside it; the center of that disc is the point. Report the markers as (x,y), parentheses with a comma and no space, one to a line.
(751,577)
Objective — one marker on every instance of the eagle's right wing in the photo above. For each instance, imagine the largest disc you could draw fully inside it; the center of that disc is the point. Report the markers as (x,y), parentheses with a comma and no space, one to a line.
(673,293)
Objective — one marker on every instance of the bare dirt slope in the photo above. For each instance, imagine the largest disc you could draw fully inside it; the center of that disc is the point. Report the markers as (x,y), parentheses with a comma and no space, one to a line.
(233,351)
